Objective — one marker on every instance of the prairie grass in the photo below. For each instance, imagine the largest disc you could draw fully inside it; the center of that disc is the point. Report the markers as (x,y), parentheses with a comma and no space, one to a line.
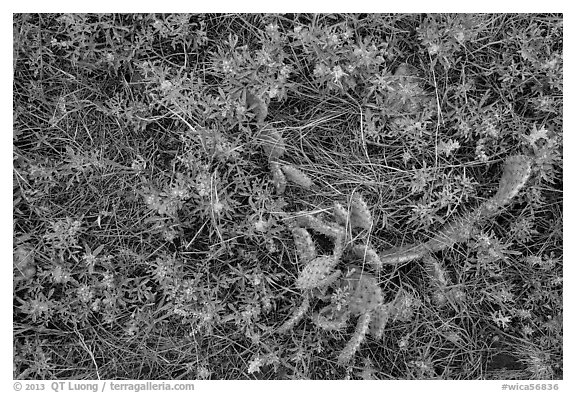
(150,241)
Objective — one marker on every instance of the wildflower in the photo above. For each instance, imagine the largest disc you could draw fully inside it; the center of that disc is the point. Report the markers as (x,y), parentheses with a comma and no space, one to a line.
(536,135)
(406,306)
(37,307)
(203,372)
(263,57)
(273,92)
(539,365)
(557,281)
(448,147)
(453,337)
(333,40)
(179,192)
(339,297)
(60,276)
(64,233)
(523,314)
(85,293)
(158,24)
(89,260)
(424,368)
(217,207)
(403,342)
(272,28)
(108,280)
(162,269)
(138,163)
(165,86)
(169,234)
(406,157)
(337,73)
(321,70)
(203,184)
(189,291)
(481,151)
(490,128)
(500,319)
(96,305)
(285,72)
(527,330)
(227,66)
(261,225)
(504,295)
(177,310)
(347,33)
(132,327)
(255,365)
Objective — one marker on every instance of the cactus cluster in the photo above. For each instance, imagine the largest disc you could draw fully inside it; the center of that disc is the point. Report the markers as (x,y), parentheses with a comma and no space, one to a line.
(359,293)
(274,147)
(364,299)
(363,296)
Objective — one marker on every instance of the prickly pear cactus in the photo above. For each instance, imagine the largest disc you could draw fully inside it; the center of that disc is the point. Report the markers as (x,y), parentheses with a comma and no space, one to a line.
(364,293)
(305,248)
(341,215)
(278,178)
(256,105)
(316,273)
(297,315)
(272,143)
(359,334)
(274,147)
(296,176)
(360,215)
(516,172)
(368,254)
(363,298)
(357,293)
(380,317)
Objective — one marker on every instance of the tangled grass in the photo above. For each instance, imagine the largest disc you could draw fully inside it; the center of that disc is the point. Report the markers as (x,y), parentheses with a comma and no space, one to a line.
(152,239)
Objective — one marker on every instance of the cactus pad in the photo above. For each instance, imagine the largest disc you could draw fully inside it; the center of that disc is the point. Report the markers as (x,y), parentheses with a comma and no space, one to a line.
(305,248)
(364,292)
(360,216)
(359,334)
(278,178)
(315,272)
(295,175)
(368,254)
(272,143)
